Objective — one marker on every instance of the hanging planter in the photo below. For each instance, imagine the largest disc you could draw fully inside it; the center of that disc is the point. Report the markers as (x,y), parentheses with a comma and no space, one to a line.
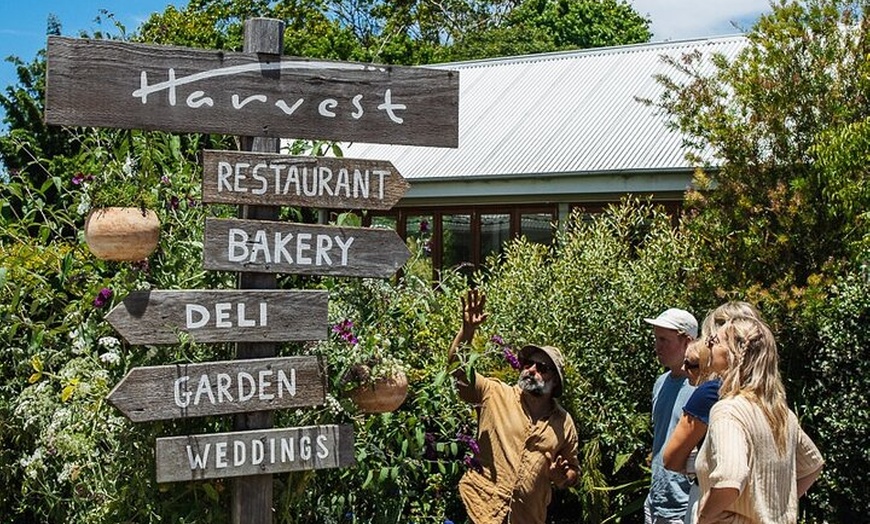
(122,233)
(381,396)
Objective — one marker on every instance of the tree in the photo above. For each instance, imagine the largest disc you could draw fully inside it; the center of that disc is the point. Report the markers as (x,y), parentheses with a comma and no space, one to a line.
(788,123)
(782,218)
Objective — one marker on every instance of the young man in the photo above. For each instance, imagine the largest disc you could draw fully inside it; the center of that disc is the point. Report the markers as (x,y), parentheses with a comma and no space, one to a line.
(669,493)
(528,443)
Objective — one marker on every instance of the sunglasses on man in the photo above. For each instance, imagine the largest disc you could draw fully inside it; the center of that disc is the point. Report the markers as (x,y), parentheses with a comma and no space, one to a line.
(542,367)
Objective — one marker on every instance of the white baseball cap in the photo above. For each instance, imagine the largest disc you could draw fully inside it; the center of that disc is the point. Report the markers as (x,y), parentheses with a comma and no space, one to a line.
(678,319)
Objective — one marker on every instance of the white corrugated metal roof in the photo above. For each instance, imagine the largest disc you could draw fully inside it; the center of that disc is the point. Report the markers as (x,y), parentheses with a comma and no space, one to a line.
(557,113)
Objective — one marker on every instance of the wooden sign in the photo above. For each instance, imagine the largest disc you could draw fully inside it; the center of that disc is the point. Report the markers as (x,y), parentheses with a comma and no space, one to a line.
(264,179)
(108,83)
(279,247)
(159,317)
(219,388)
(255,452)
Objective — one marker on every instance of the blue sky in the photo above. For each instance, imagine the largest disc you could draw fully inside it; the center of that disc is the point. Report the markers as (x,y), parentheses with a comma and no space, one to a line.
(23,22)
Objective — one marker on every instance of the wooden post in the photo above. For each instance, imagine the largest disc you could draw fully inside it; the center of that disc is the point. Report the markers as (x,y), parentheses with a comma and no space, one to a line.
(252,495)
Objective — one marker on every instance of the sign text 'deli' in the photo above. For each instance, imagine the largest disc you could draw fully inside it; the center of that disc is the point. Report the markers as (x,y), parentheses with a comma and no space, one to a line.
(158,317)
(219,388)
(106,83)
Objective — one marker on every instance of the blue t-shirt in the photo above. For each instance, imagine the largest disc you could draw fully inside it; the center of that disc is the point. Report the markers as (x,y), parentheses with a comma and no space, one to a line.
(702,400)
(669,493)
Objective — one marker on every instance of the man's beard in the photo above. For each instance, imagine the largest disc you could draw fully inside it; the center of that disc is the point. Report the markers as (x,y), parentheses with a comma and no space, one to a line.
(532,384)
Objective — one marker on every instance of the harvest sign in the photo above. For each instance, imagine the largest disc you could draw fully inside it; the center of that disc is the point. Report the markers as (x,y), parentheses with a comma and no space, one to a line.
(107,83)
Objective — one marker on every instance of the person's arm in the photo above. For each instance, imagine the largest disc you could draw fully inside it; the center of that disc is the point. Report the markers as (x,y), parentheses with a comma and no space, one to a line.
(687,434)
(804,483)
(472,316)
(715,504)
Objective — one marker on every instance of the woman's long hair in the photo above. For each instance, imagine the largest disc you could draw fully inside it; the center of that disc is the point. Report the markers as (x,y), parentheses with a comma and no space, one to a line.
(753,372)
(712,322)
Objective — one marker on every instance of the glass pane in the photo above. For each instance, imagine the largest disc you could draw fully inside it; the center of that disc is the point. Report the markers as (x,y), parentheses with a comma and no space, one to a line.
(419,241)
(384,222)
(495,230)
(537,227)
(456,240)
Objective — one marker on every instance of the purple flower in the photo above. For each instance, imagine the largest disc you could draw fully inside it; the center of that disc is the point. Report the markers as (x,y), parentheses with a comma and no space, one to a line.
(165,180)
(511,358)
(472,463)
(80,178)
(344,330)
(497,340)
(470,442)
(103,297)
(424,226)
(173,202)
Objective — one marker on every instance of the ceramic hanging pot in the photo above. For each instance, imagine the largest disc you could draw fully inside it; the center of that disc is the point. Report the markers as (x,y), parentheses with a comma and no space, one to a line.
(385,394)
(122,233)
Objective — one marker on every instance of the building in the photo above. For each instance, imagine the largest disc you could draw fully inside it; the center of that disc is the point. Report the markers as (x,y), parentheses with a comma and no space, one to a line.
(540,135)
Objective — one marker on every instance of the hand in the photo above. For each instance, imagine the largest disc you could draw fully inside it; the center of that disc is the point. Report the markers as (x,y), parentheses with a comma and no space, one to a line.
(473,304)
(561,473)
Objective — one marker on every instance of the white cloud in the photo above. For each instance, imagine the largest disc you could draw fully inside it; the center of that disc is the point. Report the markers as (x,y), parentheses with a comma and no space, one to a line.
(681,19)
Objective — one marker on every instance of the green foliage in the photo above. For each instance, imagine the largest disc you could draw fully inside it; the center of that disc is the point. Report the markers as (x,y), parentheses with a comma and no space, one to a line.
(832,404)
(587,296)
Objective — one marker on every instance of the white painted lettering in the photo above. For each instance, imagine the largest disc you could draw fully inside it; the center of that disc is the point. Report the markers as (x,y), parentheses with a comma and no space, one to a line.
(239,176)
(261,245)
(240,452)
(182,396)
(204,387)
(225,169)
(302,245)
(237,245)
(344,248)
(220,454)
(222,314)
(326,106)
(305,447)
(256,452)
(284,383)
(242,378)
(195,309)
(264,184)
(196,460)
(224,381)
(322,450)
(244,322)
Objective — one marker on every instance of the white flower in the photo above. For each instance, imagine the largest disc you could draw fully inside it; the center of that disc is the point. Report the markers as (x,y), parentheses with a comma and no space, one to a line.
(129,165)
(110,357)
(109,343)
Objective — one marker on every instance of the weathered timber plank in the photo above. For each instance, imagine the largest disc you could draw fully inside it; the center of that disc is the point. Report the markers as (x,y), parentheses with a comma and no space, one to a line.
(255,452)
(159,317)
(219,388)
(234,177)
(107,83)
(280,247)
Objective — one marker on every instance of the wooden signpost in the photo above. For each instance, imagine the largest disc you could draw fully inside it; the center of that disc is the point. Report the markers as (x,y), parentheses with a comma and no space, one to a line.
(261,96)
(255,452)
(108,83)
(237,177)
(158,317)
(219,388)
(280,247)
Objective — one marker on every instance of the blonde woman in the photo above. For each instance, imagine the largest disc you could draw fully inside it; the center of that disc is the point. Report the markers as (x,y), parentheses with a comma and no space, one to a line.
(755,461)
(680,451)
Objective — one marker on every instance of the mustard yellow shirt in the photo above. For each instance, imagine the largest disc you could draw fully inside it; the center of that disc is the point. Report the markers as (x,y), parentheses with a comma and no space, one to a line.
(514,483)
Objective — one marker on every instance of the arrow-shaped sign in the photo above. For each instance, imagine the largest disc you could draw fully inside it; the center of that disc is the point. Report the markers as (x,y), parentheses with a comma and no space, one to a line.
(279,247)
(256,452)
(158,317)
(219,388)
(269,179)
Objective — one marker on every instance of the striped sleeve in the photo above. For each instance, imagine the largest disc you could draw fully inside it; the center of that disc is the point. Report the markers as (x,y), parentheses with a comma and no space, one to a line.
(808,458)
(729,448)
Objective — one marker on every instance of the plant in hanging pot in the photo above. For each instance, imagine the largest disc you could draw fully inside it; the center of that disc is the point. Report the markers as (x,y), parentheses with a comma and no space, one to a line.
(118,198)
(370,376)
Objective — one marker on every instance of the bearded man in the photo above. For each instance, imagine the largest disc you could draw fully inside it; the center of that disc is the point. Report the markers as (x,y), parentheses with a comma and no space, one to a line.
(528,443)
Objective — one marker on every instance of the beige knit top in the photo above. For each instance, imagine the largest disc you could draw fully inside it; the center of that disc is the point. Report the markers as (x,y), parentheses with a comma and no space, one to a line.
(739,452)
